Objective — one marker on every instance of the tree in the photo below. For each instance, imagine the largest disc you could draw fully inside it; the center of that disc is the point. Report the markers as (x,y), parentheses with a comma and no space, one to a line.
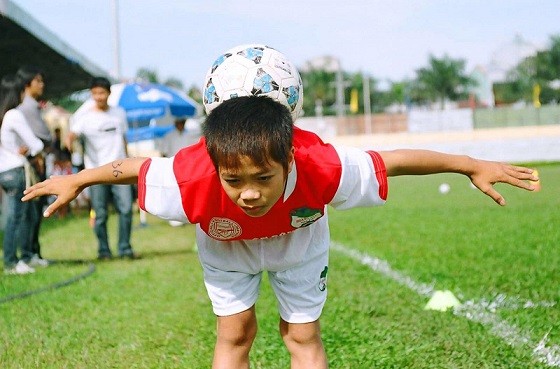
(152,76)
(443,79)
(195,94)
(542,69)
(147,75)
(318,88)
(174,82)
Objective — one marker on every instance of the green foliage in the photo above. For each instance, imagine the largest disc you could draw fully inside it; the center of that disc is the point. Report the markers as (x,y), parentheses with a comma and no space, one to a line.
(318,87)
(542,69)
(154,312)
(443,79)
(195,93)
(174,82)
(148,75)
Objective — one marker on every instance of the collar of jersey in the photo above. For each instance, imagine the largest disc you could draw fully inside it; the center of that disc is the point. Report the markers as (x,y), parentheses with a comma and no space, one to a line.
(291,182)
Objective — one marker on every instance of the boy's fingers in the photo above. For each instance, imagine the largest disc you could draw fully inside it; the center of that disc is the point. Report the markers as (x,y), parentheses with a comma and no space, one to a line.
(51,209)
(499,199)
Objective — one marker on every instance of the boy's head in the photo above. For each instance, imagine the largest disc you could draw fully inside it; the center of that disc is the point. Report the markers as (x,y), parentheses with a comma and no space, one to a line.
(249,140)
(33,80)
(100,88)
(254,126)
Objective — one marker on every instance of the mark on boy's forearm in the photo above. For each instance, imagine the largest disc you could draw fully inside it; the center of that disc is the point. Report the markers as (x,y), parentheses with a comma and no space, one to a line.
(116,165)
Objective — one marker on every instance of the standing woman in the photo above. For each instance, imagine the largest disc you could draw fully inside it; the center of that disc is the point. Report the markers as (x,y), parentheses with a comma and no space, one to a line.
(16,142)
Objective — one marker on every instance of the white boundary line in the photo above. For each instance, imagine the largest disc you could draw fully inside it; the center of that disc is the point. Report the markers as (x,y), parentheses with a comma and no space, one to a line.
(482,311)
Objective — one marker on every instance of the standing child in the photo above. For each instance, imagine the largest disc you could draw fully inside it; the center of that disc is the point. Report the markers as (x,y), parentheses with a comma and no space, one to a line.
(258,188)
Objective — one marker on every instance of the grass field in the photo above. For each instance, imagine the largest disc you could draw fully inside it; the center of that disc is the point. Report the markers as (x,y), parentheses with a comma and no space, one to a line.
(502,263)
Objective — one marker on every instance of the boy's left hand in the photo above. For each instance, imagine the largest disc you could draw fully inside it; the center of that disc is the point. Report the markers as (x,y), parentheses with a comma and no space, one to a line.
(487,173)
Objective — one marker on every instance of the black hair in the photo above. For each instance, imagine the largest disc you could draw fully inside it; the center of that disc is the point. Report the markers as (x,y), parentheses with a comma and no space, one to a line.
(11,89)
(100,82)
(254,126)
(27,73)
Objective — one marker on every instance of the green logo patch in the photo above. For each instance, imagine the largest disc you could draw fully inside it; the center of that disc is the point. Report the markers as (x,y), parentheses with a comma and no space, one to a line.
(302,217)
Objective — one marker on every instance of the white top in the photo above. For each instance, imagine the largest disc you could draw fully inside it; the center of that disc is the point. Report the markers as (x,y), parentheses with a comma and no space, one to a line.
(32,112)
(14,133)
(103,133)
(175,141)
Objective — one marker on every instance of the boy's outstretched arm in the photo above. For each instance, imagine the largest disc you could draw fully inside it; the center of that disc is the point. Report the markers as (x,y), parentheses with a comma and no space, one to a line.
(482,173)
(67,188)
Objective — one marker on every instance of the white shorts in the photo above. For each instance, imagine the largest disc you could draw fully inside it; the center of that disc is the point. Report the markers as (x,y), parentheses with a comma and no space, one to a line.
(297,265)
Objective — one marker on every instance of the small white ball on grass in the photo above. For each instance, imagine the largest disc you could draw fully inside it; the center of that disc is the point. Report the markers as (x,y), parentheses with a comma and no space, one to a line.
(444,188)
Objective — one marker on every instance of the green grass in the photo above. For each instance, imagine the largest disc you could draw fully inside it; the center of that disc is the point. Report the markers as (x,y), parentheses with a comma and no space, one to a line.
(154,313)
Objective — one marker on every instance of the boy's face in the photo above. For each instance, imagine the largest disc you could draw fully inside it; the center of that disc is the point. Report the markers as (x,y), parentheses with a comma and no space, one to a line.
(253,188)
(100,95)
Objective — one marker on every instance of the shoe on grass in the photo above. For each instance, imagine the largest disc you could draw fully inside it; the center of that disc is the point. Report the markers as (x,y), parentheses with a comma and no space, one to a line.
(37,261)
(131,256)
(19,269)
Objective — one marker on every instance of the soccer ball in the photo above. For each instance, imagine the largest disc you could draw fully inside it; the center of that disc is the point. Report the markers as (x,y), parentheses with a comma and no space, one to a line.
(444,188)
(253,70)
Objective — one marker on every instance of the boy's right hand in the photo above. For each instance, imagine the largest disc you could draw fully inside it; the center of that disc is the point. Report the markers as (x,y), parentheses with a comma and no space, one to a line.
(66,188)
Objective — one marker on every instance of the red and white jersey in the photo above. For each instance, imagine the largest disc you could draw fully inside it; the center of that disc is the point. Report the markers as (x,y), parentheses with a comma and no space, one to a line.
(187,188)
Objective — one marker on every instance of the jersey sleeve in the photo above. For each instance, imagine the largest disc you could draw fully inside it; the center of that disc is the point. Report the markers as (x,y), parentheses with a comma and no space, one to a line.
(363,180)
(158,191)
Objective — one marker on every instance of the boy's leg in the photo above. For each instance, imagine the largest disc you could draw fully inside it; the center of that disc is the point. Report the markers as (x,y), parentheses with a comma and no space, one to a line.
(236,334)
(304,343)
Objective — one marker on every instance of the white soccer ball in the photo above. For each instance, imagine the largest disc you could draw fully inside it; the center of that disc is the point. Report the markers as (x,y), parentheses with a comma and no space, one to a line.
(253,70)
(444,188)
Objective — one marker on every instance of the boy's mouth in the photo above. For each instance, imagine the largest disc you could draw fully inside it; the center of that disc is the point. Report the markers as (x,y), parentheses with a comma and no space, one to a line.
(252,210)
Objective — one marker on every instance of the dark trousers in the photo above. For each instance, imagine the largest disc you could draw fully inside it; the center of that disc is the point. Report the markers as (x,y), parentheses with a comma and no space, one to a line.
(37,207)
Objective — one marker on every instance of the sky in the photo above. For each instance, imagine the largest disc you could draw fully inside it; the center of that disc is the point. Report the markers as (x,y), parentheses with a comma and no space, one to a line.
(387,39)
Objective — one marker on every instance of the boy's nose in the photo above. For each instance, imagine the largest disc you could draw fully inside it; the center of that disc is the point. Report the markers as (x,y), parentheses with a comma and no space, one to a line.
(250,194)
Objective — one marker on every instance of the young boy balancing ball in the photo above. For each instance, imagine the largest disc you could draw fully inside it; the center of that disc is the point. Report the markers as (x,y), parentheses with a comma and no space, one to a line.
(257,189)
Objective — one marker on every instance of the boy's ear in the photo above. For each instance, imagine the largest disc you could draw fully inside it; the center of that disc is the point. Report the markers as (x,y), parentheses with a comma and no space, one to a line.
(291,156)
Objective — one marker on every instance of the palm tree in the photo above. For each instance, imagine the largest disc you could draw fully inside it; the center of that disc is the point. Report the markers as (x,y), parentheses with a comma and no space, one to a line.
(148,75)
(443,79)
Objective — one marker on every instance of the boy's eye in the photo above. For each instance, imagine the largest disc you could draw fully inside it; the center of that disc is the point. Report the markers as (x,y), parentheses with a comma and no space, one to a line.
(265,178)
(231,180)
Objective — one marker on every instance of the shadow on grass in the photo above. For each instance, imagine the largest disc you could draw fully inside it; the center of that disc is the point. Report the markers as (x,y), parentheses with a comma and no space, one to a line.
(53,286)
(90,270)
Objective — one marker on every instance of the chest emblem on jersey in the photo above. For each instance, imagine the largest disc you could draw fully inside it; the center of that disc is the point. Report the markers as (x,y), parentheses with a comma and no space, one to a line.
(302,217)
(223,229)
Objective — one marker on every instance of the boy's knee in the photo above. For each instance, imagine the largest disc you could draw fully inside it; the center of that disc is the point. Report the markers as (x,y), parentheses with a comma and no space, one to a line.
(298,335)
(240,337)
(237,332)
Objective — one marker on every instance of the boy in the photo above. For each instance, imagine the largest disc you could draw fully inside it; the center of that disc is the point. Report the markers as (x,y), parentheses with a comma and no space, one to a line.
(257,188)
(103,130)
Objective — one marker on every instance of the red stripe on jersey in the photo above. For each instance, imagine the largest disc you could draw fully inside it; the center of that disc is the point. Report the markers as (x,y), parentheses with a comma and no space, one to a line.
(380,174)
(142,183)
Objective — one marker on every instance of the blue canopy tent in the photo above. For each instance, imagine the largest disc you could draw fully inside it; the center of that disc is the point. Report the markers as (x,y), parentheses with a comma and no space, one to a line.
(144,102)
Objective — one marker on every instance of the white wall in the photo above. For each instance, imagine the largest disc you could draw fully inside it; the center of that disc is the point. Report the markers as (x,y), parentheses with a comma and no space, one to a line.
(440,120)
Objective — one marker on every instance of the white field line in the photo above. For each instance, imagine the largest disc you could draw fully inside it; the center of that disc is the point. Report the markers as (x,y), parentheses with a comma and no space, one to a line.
(481,311)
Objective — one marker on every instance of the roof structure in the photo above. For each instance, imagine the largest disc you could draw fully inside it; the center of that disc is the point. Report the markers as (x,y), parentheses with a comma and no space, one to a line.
(23,40)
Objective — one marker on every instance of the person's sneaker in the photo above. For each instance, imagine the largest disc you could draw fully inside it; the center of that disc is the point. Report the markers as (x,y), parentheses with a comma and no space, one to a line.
(37,261)
(20,269)
(131,256)
(104,257)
